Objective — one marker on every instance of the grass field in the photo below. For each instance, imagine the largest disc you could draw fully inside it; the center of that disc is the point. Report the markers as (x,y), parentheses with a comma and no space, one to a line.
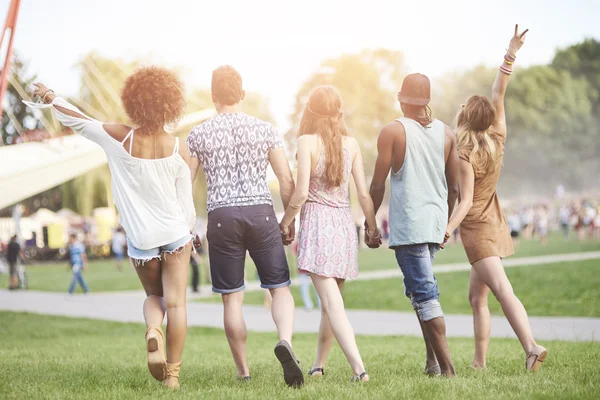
(102,275)
(563,289)
(44,357)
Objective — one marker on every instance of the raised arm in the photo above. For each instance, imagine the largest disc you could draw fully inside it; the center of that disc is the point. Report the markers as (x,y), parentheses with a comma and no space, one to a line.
(503,76)
(383,165)
(467,183)
(70,116)
(452,169)
(364,198)
(300,193)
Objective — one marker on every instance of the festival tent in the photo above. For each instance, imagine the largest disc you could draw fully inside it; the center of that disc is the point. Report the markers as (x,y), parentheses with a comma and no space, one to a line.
(27,169)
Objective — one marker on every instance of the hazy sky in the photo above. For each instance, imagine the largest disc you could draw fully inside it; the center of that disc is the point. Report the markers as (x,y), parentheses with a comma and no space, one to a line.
(277,44)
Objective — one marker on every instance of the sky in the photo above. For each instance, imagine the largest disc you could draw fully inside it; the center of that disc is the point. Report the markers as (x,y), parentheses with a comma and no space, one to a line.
(277,44)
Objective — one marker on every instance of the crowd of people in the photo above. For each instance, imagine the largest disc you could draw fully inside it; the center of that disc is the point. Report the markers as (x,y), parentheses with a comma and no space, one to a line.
(440,181)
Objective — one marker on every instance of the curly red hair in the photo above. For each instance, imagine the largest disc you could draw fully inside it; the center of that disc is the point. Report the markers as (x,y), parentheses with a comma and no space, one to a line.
(153,98)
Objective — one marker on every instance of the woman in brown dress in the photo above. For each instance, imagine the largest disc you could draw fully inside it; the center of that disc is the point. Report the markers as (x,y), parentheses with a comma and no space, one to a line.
(481,126)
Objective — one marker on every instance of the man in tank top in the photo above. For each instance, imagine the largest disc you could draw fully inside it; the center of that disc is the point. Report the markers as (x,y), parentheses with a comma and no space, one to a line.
(419,153)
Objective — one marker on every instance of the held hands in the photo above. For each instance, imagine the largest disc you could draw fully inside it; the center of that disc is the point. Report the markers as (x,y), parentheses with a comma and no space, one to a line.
(517,41)
(288,233)
(446,238)
(372,237)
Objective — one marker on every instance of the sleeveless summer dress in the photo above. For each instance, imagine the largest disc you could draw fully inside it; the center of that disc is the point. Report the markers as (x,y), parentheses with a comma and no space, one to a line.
(327,241)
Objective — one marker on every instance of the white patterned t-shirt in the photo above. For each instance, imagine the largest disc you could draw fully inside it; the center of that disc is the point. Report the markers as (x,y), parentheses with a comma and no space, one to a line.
(233,150)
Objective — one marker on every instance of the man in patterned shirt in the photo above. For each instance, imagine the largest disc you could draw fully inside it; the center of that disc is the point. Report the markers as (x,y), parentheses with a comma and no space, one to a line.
(234,150)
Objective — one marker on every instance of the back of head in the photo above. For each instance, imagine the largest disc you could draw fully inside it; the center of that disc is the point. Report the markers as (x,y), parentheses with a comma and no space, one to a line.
(323,116)
(414,98)
(226,86)
(473,123)
(153,98)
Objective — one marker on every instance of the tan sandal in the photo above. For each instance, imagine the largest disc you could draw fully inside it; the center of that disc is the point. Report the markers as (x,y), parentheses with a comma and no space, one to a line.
(535,358)
(172,380)
(156,353)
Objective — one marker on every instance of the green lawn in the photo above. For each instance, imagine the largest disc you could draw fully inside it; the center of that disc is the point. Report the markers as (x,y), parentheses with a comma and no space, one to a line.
(102,275)
(564,289)
(45,357)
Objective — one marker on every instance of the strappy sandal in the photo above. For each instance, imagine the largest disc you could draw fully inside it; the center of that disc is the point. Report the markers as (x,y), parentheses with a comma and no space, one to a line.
(292,374)
(172,372)
(433,371)
(244,379)
(156,353)
(364,377)
(315,370)
(535,358)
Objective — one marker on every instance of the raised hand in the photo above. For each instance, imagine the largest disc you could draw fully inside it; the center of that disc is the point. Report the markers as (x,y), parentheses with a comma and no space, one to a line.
(516,41)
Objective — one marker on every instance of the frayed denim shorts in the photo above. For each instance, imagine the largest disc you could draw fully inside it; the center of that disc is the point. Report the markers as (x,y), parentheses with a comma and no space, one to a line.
(142,256)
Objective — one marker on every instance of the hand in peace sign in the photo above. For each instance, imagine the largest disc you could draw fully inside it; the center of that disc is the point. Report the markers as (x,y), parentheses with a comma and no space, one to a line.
(517,41)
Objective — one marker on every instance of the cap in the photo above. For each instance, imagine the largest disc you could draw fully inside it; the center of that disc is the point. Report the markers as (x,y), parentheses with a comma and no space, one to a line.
(416,90)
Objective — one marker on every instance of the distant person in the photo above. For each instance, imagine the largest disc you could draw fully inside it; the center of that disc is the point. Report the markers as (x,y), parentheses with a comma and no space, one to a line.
(419,155)
(385,228)
(306,285)
(481,127)
(514,224)
(541,224)
(152,190)
(78,260)
(527,220)
(13,256)
(241,217)
(565,219)
(119,244)
(328,246)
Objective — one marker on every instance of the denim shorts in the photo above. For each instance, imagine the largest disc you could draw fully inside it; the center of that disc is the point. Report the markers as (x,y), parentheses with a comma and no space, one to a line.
(146,255)
(416,263)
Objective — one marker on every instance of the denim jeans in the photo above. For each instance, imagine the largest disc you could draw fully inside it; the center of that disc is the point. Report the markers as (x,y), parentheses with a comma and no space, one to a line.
(78,277)
(416,263)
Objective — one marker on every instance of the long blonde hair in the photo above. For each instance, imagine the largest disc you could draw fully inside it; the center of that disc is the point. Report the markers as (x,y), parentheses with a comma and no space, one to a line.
(473,130)
(323,116)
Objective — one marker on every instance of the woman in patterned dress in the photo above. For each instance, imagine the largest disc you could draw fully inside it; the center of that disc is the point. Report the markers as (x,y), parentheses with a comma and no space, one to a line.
(328,244)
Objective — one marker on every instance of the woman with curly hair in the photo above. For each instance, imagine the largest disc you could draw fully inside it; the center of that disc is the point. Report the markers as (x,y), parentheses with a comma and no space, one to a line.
(481,127)
(327,242)
(152,190)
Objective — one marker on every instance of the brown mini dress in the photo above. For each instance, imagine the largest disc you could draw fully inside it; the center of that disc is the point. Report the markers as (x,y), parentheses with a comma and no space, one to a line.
(484,231)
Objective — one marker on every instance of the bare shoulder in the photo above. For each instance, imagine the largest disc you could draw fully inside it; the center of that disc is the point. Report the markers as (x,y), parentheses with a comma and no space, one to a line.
(449,133)
(390,133)
(117,131)
(310,140)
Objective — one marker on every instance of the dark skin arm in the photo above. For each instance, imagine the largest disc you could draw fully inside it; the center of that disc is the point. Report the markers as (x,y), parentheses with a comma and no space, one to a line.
(452,169)
(391,138)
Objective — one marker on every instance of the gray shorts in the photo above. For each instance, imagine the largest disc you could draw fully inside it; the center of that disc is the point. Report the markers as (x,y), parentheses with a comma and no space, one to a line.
(231,232)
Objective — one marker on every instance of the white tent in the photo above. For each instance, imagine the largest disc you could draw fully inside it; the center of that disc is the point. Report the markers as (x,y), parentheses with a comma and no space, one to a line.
(30,168)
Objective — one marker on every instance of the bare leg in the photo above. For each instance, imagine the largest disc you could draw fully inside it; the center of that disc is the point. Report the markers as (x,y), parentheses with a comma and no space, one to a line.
(325,340)
(235,330)
(482,322)
(435,330)
(175,278)
(491,272)
(150,277)
(431,358)
(333,304)
(282,311)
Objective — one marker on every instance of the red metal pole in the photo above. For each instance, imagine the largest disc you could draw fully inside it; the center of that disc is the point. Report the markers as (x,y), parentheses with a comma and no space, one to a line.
(11,23)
